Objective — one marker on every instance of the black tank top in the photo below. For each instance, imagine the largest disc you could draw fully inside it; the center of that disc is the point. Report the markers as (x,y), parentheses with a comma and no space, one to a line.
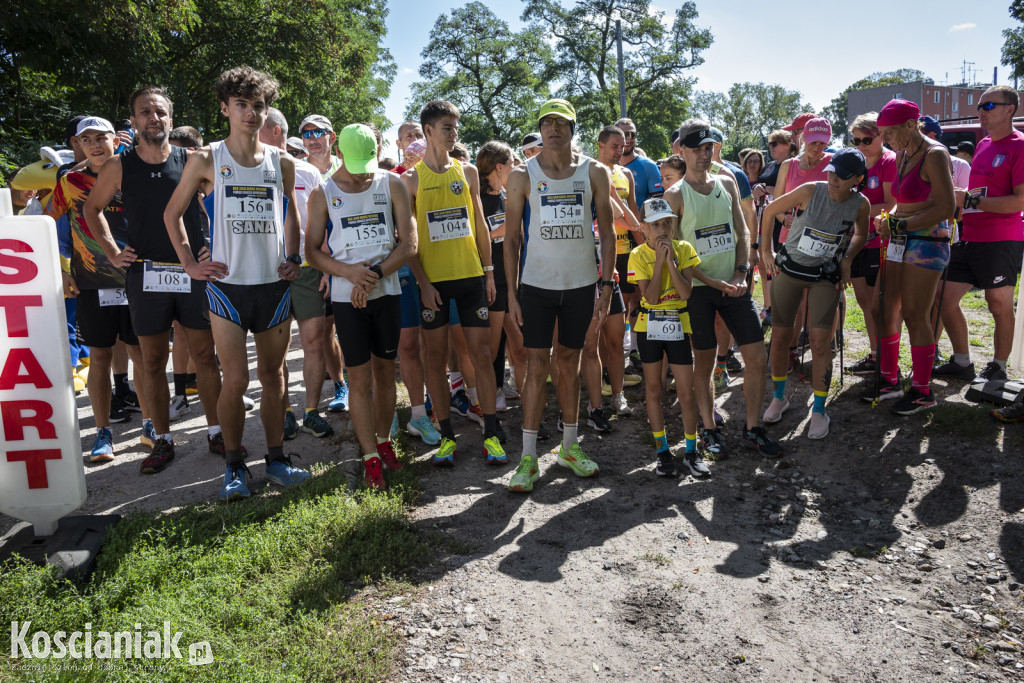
(146,189)
(494,206)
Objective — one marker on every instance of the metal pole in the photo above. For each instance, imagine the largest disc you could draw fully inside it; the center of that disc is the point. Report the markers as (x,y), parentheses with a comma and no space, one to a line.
(622,70)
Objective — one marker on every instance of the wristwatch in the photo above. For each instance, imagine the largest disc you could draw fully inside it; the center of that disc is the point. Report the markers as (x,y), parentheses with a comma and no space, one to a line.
(607,283)
(376,269)
(295,258)
(743,268)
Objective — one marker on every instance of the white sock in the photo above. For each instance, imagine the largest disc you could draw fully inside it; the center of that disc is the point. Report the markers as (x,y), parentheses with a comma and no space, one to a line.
(370,455)
(529,442)
(471,391)
(213,430)
(456,381)
(568,434)
(419,411)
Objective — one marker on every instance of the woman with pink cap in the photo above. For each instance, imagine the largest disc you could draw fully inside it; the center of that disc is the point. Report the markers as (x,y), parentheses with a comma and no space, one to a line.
(918,251)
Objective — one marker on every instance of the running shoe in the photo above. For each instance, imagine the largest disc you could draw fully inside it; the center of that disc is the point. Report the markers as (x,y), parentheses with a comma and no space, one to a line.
(525,475)
(340,401)
(1011,413)
(606,389)
(393,434)
(500,405)
(103,446)
(913,402)
(162,455)
(179,407)
(818,427)
(131,401)
(666,466)
(191,388)
(148,437)
(313,424)
(575,459)
(865,366)
(510,392)
(757,439)
(620,405)
(118,411)
(635,362)
(719,420)
(282,472)
(991,372)
(732,363)
(694,462)
(476,415)
(560,426)
(387,455)
(373,474)
(291,426)
(460,403)
(236,482)
(215,445)
(423,428)
(631,380)
(886,392)
(493,451)
(953,369)
(248,403)
(445,454)
(721,378)
(712,442)
(598,421)
(773,413)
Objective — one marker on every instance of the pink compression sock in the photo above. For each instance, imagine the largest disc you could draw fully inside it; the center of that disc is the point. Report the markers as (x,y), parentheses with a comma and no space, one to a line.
(890,357)
(922,358)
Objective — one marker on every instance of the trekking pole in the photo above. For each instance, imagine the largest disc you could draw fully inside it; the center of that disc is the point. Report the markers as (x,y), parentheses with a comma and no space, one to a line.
(942,292)
(881,319)
(841,338)
(803,348)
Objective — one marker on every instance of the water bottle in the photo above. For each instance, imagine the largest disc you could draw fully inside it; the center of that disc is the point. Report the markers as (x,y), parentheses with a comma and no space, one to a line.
(125,124)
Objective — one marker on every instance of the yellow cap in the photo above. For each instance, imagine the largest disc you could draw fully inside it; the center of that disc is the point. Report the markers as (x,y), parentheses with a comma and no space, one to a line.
(559,108)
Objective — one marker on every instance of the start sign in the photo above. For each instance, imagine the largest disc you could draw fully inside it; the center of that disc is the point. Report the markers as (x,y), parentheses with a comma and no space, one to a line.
(41,473)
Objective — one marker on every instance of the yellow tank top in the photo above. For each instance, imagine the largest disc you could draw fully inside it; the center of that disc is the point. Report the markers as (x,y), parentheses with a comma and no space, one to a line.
(621,184)
(446,225)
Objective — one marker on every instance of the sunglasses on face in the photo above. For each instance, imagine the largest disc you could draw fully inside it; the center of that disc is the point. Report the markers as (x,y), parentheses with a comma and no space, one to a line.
(314,133)
(297,154)
(775,144)
(864,141)
(629,134)
(989,106)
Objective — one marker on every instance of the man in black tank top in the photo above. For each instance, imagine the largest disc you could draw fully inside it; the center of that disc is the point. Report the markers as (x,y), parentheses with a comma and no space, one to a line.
(158,290)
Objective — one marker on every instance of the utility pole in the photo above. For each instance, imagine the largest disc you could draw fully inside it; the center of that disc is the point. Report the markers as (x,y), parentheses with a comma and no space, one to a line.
(622,70)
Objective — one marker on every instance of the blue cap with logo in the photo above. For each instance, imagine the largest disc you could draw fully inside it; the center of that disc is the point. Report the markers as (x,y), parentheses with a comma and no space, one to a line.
(847,163)
(930,125)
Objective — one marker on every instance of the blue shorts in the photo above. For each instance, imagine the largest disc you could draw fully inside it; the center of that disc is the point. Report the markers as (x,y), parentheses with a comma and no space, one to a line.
(410,297)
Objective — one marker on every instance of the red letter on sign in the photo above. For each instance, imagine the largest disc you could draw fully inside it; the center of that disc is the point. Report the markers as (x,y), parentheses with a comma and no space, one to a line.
(24,269)
(15,420)
(10,376)
(14,307)
(35,465)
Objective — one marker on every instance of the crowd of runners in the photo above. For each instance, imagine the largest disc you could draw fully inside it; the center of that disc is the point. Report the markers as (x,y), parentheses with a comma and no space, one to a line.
(612,270)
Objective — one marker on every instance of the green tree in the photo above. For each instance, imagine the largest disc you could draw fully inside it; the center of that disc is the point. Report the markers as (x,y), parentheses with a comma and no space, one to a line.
(748,113)
(58,59)
(836,112)
(655,58)
(497,78)
(1013,48)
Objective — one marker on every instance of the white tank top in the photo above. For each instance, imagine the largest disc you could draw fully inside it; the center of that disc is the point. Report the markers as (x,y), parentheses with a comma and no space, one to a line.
(247,230)
(362,229)
(559,234)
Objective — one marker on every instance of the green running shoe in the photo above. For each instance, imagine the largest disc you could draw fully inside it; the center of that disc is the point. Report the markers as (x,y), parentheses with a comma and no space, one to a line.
(445,455)
(575,459)
(494,452)
(526,474)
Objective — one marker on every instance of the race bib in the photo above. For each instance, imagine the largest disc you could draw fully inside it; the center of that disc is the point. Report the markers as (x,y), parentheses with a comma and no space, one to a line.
(165,277)
(562,209)
(448,224)
(976,192)
(364,230)
(493,223)
(818,244)
(665,326)
(113,297)
(714,239)
(897,245)
(249,203)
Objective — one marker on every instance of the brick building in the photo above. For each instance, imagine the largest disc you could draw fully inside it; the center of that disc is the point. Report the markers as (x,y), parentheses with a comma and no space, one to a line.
(942,102)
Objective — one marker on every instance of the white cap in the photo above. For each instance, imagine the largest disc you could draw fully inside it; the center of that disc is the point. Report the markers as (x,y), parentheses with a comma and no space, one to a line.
(94,123)
(295,143)
(657,208)
(318,121)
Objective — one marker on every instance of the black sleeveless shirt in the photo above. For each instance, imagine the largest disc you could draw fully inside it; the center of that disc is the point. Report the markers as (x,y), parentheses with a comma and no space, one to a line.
(145,190)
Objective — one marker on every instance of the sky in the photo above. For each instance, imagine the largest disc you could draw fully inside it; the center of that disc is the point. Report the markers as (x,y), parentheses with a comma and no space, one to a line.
(818,52)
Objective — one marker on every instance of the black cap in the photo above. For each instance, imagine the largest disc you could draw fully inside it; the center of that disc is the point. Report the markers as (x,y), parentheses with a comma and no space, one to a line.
(965,146)
(71,129)
(672,138)
(847,162)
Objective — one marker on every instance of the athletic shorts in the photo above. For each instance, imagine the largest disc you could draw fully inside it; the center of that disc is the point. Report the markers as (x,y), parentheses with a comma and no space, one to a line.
(928,254)
(572,309)
(618,303)
(154,312)
(866,265)
(307,299)
(101,326)
(822,302)
(500,304)
(985,265)
(410,297)
(678,352)
(374,329)
(622,268)
(739,313)
(470,299)
(254,308)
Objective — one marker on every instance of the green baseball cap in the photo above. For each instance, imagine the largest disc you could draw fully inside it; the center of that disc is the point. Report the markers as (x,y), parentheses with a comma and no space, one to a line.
(358,147)
(557,107)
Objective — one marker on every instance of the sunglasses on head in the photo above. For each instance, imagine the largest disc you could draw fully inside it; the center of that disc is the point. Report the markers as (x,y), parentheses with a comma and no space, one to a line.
(314,133)
(863,141)
(989,106)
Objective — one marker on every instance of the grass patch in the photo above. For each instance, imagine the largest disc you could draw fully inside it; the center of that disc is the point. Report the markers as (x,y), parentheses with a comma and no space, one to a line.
(657,559)
(269,582)
(967,420)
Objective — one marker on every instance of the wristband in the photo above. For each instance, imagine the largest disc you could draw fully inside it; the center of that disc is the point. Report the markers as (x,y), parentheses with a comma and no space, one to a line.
(742,268)
(755,245)
(488,269)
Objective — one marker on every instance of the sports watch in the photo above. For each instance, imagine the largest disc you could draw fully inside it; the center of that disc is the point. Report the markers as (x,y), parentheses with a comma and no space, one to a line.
(607,283)
(295,258)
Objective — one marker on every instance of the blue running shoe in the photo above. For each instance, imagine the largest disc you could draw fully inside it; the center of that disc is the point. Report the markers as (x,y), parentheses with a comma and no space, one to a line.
(148,437)
(394,427)
(103,446)
(236,482)
(424,428)
(340,401)
(429,407)
(460,403)
(283,473)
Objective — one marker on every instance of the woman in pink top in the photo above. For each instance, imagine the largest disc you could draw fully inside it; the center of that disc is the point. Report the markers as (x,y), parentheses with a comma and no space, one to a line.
(809,167)
(917,254)
(881,164)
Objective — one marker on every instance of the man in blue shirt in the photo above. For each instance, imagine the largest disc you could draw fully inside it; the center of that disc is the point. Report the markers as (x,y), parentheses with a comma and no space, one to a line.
(645,172)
